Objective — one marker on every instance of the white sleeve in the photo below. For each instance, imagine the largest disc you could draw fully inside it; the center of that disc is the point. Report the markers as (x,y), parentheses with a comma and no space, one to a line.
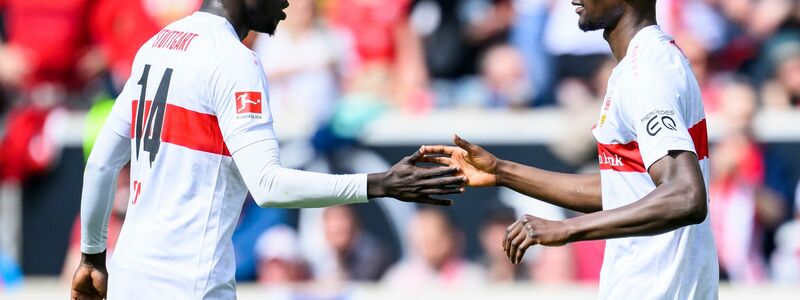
(655,108)
(274,186)
(119,120)
(238,91)
(238,96)
(111,151)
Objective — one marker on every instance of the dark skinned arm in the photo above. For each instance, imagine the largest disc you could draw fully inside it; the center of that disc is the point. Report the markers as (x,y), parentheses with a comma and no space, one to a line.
(679,200)
(579,192)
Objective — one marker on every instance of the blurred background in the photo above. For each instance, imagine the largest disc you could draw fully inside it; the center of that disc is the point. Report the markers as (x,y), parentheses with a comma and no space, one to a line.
(357,84)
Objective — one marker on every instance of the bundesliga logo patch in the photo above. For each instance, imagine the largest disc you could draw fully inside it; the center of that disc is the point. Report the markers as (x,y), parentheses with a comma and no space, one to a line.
(248,105)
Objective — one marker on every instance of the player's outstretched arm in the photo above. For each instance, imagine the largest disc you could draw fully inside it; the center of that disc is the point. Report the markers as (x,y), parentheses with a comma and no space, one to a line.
(577,192)
(274,186)
(91,278)
(678,200)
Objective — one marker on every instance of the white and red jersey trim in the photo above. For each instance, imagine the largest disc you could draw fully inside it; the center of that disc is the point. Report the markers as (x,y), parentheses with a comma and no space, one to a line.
(652,107)
(628,158)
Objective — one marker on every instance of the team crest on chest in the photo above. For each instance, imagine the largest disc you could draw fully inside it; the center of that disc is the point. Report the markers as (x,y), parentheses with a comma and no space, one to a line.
(604,112)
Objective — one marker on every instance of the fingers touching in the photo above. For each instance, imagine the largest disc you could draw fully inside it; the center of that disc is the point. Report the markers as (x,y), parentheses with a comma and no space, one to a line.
(440,149)
(438,171)
(413,158)
(418,183)
(439,160)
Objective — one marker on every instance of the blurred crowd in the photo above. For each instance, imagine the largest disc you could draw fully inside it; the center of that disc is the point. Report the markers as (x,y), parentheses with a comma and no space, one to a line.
(336,65)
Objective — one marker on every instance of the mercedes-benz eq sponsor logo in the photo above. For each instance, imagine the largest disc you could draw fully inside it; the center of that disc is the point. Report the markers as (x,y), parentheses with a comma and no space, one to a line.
(657,123)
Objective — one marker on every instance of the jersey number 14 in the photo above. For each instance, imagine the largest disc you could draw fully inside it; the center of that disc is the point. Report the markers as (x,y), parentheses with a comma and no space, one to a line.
(149,132)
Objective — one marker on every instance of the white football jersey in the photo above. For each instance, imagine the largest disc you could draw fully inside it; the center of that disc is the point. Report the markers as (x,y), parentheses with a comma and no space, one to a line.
(196,95)
(653,106)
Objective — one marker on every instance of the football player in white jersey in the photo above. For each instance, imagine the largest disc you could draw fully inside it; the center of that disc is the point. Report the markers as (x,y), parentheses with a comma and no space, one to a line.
(194,122)
(649,198)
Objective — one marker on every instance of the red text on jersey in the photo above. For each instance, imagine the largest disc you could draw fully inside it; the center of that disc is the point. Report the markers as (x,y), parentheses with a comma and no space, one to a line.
(137,189)
(174,40)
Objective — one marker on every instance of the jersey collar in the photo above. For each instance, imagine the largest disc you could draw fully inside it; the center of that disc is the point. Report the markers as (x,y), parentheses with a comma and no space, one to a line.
(637,39)
(215,19)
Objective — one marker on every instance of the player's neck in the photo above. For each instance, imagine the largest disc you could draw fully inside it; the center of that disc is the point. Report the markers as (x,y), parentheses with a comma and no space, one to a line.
(620,36)
(233,15)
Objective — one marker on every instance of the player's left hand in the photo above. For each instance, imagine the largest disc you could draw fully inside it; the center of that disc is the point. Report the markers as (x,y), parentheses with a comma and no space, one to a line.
(91,278)
(529,231)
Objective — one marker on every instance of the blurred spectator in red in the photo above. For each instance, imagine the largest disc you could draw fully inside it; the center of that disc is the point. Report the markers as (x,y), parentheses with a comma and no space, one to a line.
(115,220)
(48,47)
(389,59)
(120,27)
(279,261)
(357,256)
(46,59)
(786,258)
(437,258)
(742,208)
(49,58)
(28,148)
(494,261)
(303,62)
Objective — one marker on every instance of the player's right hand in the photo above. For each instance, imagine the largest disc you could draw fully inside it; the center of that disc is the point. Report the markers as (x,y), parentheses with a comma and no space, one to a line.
(474,162)
(407,182)
(90,280)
